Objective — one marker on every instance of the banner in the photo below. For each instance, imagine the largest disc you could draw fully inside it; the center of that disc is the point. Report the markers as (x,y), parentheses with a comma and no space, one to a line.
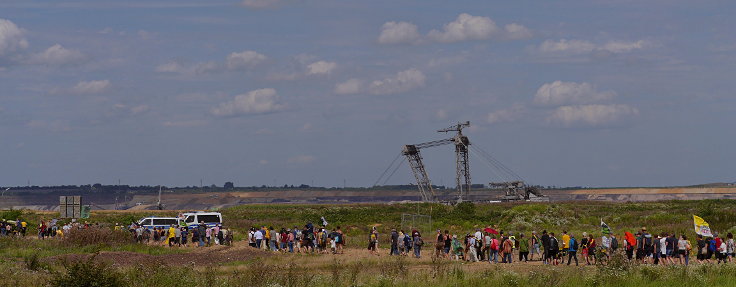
(604,228)
(701,227)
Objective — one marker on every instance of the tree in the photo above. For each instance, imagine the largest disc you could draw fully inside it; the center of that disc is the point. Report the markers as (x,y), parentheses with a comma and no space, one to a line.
(229,185)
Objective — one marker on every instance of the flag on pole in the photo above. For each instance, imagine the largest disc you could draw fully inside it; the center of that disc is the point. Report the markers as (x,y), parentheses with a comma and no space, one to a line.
(604,228)
(701,227)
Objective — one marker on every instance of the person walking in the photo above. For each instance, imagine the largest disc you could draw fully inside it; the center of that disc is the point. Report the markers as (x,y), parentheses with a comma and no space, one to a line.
(177,236)
(457,248)
(473,251)
(400,243)
(418,242)
(534,243)
(545,246)
(171,237)
(683,250)
(394,242)
(373,241)
(508,247)
(572,250)
(201,230)
(493,253)
(730,246)
(523,248)
(552,249)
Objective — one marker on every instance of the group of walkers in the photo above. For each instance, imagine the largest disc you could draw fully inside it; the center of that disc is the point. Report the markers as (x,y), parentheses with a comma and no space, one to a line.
(200,235)
(489,245)
(309,239)
(13,228)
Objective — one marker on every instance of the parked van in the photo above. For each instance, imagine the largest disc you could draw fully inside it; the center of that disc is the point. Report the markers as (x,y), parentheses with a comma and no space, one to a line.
(192,219)
(152,222)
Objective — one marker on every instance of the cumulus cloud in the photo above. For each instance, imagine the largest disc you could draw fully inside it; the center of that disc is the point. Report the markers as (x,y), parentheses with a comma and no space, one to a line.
(399,33)
(561,93)
(171,67)
(11,38)
(207,68)
(592,115)
(564,46)
(261,101)
(321,68)
(351,86)
(245,59)
(91,87)
(132,110)
(515,31)
(401,82)
(260,4)
(302,159)
(511,114)
(465,27)
(57,55)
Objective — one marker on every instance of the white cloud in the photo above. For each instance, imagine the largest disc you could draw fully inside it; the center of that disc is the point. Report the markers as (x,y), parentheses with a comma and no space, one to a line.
(403,81)
(260,4)
(135,110)
(11,38)
(564,46)
(207,68)
(245,59)
(399,33)
(171,67)
(592,115)
(57,55)
(465,27)
(623,47)
(261,101)
(321,68)
(561,93)
(511,114)
(302,159)
(91,87)
(352,86)
(516,32)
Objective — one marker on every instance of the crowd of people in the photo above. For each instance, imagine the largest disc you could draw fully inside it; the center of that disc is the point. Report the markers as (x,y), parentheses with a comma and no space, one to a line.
(487,245)
(200,235)
(13,228)
(493,246)
(309,239)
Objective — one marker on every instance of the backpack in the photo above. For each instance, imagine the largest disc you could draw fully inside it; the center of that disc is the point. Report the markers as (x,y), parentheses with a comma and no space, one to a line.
(647,241)
(614,244)
(553,244)
(574,244)
(494,244)
(478,243)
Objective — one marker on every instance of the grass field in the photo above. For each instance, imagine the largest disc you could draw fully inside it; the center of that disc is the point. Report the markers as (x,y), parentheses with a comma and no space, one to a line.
(32,262)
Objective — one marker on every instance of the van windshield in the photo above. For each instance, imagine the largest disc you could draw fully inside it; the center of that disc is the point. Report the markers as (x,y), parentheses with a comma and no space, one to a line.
(189,219)
(209,218)
(144,221)
(165,221)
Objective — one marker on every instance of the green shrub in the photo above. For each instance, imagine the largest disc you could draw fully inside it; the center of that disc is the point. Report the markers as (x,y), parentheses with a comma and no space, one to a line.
(87,273)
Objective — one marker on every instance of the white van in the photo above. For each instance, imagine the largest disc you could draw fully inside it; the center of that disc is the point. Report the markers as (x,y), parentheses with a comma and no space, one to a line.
(192,219)
(152,222)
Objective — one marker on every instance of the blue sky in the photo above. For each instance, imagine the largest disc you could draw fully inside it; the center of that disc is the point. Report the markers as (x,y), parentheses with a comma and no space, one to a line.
(567,93)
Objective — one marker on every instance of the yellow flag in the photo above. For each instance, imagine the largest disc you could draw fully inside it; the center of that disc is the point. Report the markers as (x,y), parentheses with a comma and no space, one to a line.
(701,227)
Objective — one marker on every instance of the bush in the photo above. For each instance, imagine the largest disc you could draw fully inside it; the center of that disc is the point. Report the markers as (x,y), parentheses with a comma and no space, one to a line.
(32,263)
(87,273)
(96,236)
